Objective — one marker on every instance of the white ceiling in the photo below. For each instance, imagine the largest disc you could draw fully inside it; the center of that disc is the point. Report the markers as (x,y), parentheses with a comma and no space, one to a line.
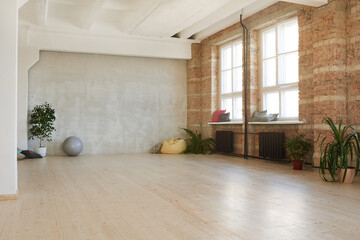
(155,19)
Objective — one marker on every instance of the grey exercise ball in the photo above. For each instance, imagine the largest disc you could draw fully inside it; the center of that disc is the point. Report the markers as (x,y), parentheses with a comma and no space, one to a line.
(72,146)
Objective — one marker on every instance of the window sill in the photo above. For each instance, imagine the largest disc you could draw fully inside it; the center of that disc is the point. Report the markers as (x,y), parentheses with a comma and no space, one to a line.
(224,123)
(294,122)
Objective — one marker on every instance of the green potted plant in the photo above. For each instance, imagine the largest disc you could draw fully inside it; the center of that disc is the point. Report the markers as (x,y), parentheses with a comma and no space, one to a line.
(198,145)
(298,146)
(42,120)
(339,153)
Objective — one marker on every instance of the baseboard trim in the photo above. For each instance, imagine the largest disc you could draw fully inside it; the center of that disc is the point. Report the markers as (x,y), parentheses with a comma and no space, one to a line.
(10,196)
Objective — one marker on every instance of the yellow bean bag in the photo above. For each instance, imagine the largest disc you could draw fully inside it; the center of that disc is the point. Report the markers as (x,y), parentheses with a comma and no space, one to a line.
(173,146)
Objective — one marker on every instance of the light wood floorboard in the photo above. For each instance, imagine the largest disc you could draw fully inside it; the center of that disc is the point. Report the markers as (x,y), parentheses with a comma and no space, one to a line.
(165,197)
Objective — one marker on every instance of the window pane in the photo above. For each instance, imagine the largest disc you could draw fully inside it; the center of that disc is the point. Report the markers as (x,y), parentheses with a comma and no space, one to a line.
(226,103)
(226,81)
(288,36)
(268,43)
(269,72)
(288,68)
(237,53)
(237,78)
(238,108)
(226,58)
(271,102)
(290,103)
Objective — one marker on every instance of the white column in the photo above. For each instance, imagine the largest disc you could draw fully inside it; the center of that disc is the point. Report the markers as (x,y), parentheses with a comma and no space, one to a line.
(8,96)
(27,57)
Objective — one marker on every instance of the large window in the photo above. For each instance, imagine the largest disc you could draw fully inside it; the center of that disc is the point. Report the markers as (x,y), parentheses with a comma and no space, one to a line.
(280,73)
(231,79)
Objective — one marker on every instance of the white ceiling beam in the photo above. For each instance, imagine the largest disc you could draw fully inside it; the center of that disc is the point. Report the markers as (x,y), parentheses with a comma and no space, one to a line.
(93,12)
(207,10)
(234,18)
(41,12)
(21,3)
(144,16)
(222,13)
(126,45)
(312,3)
(71,2)
(119,5)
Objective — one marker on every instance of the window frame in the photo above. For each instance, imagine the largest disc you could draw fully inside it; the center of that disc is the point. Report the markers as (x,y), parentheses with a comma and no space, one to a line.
(231,94)
(278,88)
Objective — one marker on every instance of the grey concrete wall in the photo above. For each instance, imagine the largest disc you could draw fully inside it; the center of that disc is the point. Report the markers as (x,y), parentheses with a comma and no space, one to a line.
(114,104)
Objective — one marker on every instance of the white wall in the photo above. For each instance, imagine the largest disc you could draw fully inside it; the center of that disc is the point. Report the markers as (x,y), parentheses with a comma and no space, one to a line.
(27,56)
(114,104)
(8,95)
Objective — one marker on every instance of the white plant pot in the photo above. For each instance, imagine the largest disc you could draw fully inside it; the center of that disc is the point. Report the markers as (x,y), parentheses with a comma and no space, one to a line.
(41,151)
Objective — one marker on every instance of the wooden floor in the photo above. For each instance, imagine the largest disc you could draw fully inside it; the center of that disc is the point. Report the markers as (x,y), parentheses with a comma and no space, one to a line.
(143,196)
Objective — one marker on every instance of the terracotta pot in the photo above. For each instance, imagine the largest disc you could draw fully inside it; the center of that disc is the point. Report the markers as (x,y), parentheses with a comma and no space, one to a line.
(297,164)
(350,174)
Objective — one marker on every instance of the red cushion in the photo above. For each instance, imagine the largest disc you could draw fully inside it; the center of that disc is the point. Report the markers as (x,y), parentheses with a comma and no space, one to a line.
(217,114)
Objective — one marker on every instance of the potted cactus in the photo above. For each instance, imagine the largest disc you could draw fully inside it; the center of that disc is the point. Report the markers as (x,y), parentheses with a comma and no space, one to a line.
(298,146)
(42,120)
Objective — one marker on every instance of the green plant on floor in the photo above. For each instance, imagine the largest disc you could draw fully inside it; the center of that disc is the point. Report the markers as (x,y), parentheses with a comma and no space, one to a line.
(298,146)
(198,145)
(339,150)
(42,120)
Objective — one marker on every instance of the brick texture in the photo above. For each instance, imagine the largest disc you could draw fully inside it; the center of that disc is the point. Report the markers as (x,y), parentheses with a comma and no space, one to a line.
(329,71)
(353,61)
(194,107)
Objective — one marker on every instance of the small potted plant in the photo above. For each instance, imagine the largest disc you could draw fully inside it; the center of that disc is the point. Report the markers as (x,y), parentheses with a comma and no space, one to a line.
(298,146)
(196,144)
(339,153)
(42,120)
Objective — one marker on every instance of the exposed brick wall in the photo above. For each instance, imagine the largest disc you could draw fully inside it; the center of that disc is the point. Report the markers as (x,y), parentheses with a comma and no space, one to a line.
(329,69)
(209,82)
(353,60)
(306,76)
(306,69)
(194,89)
(329,62)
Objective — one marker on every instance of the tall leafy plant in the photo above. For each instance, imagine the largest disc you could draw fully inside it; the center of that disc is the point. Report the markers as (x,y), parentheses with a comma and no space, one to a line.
(198,145)
(42,120)
(339,150)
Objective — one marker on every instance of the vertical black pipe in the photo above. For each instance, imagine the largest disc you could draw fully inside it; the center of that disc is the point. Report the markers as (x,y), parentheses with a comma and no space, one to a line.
(245,69)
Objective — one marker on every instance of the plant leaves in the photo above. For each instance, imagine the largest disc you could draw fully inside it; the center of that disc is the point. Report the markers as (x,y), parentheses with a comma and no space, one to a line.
(198,145)
(341,152)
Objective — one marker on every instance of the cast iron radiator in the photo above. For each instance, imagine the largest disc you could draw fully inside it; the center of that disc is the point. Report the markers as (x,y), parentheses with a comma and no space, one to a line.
(224,141)
(271,144)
